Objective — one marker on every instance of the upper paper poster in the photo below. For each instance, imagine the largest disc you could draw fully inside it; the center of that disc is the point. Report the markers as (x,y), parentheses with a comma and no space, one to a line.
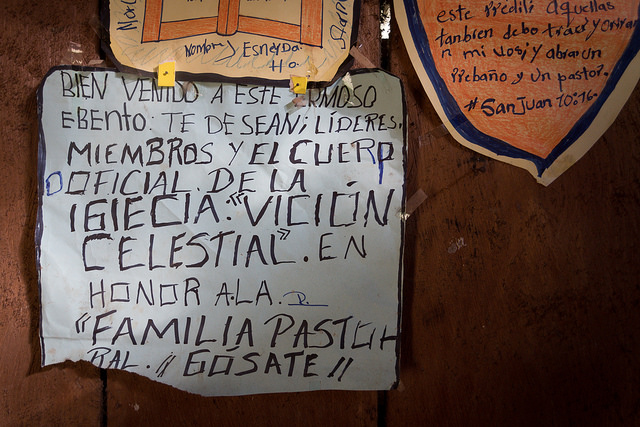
(255,40)
(534,83)
(215,237)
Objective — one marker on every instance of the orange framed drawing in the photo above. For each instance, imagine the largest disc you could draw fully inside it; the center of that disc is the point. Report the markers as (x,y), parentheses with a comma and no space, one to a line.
(237,39)
(228,20)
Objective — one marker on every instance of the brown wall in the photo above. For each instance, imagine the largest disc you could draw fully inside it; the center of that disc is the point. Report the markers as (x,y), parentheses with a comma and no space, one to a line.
(534,321)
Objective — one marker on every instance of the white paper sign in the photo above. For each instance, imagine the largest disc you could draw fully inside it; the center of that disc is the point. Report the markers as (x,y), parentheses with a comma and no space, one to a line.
(219,239)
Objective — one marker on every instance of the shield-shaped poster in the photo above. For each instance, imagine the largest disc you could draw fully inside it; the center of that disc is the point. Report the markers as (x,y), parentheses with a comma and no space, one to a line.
(534,83)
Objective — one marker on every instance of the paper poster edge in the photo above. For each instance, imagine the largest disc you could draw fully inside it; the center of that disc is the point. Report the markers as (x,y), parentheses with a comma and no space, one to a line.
(405,154)
(608,114)
(40,166)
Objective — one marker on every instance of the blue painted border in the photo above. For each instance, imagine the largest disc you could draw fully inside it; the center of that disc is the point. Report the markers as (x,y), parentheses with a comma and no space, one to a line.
(469,132)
